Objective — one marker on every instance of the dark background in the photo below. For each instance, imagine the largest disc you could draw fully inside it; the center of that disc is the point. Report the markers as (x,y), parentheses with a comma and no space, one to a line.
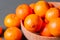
(9,6)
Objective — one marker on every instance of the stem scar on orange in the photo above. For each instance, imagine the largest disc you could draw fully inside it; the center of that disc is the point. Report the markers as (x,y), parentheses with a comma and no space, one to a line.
(23,10)
(33,23)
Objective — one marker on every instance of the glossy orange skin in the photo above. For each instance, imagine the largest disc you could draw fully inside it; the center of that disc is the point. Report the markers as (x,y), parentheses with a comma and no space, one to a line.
(45,32)
(11,20)
(1,30)
(33,23)
(40,8)
(13,33)
(54,27)
(32,5)
(52,13)
(23,10)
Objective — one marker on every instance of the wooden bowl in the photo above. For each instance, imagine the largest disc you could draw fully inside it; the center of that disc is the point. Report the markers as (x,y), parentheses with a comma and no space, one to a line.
(32,36)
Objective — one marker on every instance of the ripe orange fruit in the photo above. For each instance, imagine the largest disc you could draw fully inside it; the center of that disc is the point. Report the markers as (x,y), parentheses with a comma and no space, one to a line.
(13,33)
(45,31)
(52,13)
(40,8)
(54,27)
(33,23)
(23,10)
(1,30)
(11,20)
(32,5)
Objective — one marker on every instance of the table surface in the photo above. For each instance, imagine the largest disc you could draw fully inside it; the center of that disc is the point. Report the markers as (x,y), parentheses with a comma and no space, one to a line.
(9,6)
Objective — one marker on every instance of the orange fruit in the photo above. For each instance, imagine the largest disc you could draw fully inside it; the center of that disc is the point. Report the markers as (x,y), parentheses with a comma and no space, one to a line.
(11,20)
(32,5)
(33,23)
(23,10)
(54,27)
(1,30)
(52,13)
(12,33)
(40,8)
(45,32)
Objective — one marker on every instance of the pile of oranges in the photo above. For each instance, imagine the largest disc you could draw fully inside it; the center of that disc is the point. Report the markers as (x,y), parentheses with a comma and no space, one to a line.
(45,19)
(41,17)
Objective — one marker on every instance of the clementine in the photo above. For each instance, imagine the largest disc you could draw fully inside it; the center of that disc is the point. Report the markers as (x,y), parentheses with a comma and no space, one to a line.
(41,8)
(12,33)
(11,20)
(33,23)
(52,13)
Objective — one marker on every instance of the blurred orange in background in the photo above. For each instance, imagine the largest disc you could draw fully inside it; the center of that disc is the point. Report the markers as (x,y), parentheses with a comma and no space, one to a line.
(11,20)
(13,33)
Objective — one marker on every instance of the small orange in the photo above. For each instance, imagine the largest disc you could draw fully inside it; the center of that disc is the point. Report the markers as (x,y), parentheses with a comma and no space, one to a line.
(23,10)
(33,23)
(41,7)
(12,33)
(52,13)
(32,5)
(11,20)
(54,27)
